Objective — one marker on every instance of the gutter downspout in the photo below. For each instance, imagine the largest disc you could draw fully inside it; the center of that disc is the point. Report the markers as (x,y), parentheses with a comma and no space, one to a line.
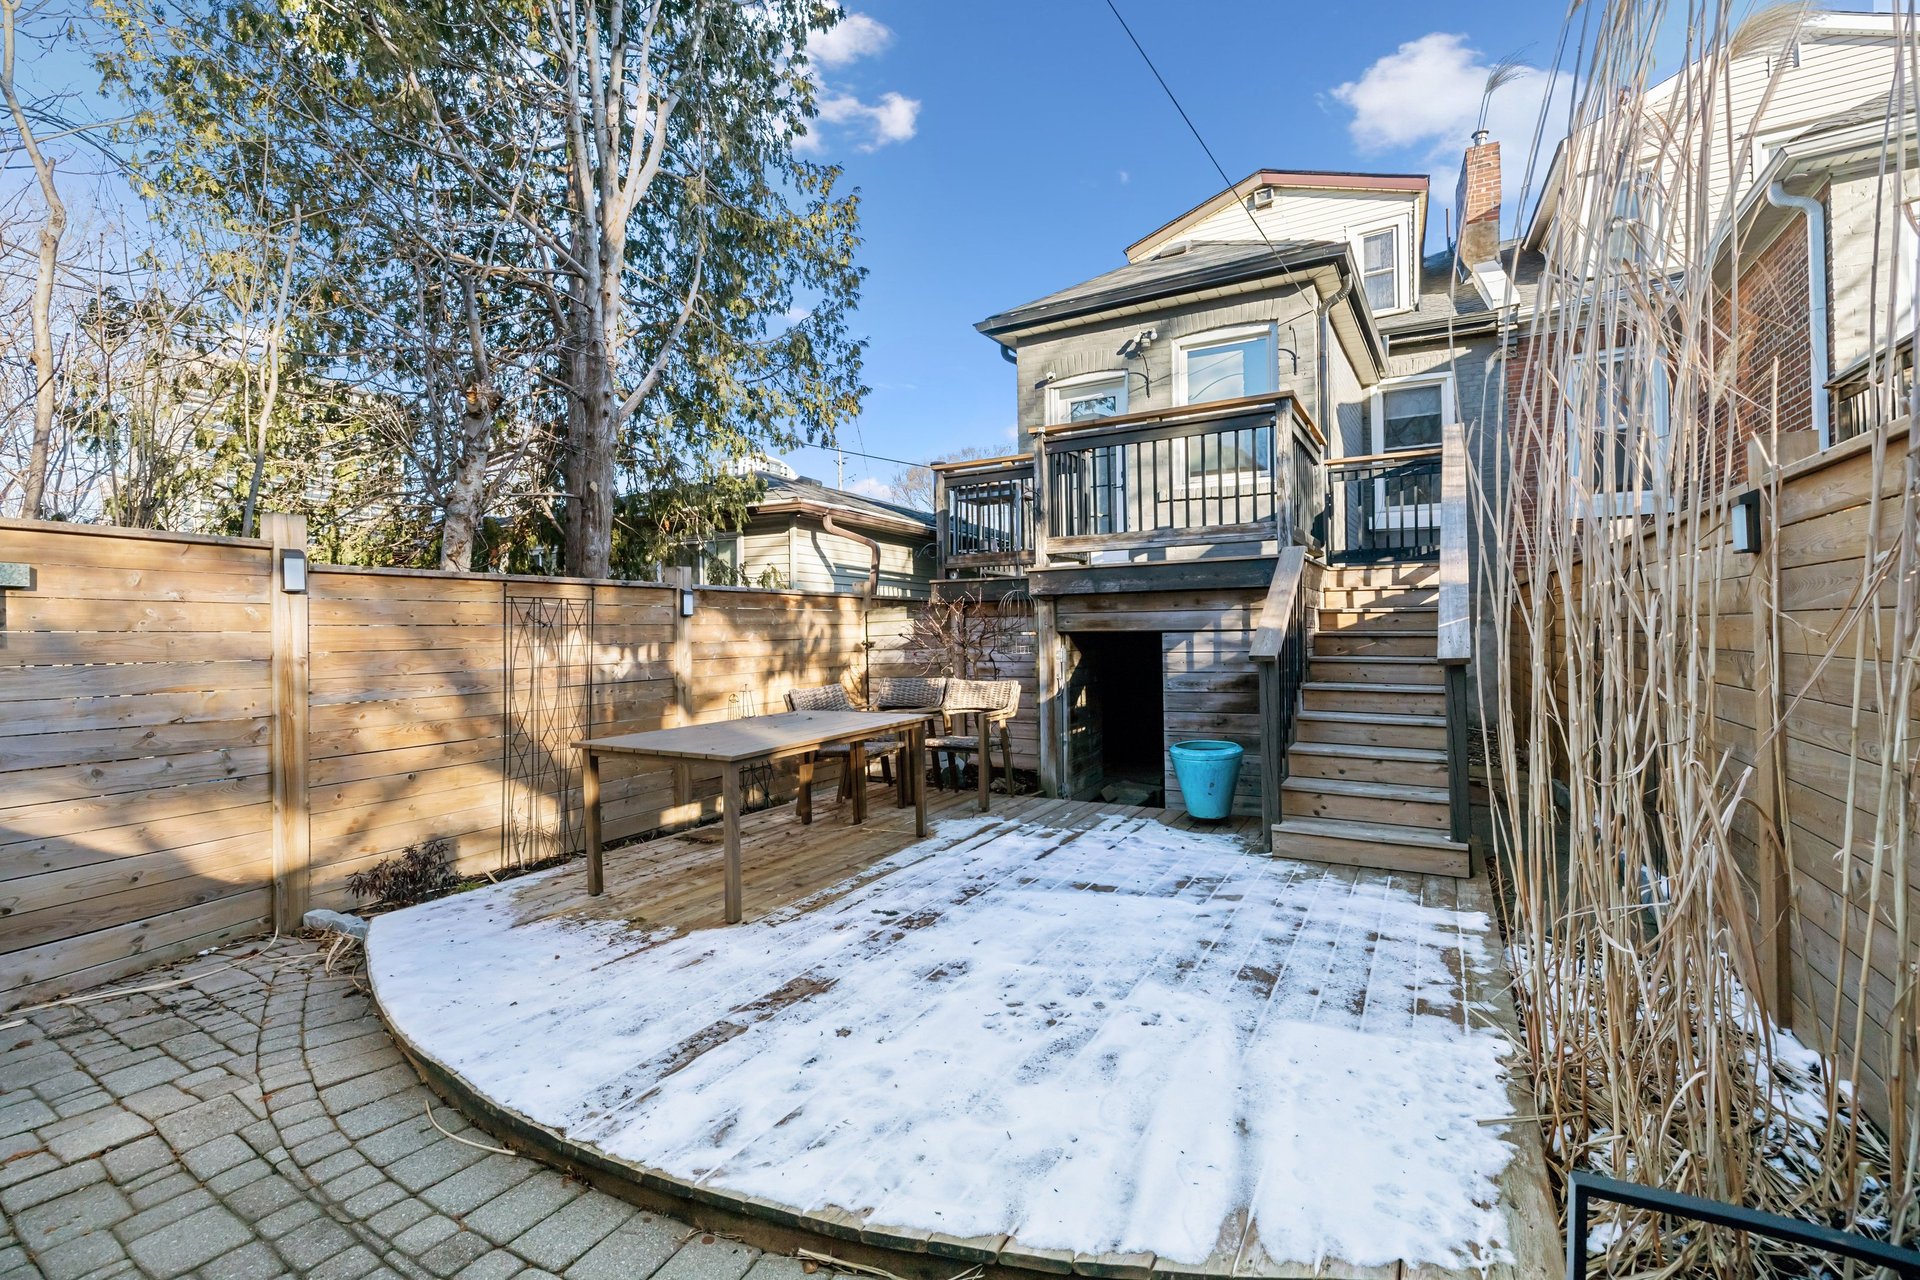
(1816,213)
(1323,393)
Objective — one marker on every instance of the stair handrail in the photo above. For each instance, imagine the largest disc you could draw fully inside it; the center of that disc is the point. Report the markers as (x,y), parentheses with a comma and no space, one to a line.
(1455,641)
(1279,652)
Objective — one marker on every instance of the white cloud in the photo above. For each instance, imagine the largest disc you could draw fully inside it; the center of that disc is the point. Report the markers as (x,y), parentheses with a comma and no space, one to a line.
(890,118)
(1423,100)
(870,487)
(853,37)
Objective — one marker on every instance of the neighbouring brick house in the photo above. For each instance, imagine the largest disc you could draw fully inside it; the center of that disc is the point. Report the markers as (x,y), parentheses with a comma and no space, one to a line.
(1805,299)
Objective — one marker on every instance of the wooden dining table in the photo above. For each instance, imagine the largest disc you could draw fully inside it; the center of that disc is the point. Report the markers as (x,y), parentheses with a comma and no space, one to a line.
(735,744)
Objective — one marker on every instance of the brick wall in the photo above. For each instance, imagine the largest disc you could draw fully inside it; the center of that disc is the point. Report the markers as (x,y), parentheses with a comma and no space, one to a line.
(1768,328)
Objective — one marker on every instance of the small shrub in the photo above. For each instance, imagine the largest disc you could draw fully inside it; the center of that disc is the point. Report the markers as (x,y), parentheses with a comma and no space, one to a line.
(419,872)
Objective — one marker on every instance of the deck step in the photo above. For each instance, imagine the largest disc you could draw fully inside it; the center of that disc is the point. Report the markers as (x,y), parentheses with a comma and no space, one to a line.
(1413,617)
(1350,800)
(1406,643)
(1371,728)
(1392,573)
(1411,766)
(1382,846)
(1336,597)
(1394,699)
(1377,669)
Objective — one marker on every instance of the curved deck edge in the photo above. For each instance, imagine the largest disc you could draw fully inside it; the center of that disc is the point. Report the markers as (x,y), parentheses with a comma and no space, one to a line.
(762,1223)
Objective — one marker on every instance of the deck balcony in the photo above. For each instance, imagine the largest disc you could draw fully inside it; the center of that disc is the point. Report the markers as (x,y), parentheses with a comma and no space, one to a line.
(1230,480)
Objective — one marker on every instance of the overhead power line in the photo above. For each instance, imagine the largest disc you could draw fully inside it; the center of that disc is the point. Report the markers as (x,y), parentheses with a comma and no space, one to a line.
(1194,129)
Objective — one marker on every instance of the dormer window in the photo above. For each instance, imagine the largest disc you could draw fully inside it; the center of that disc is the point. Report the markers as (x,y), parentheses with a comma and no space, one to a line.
(1381,251)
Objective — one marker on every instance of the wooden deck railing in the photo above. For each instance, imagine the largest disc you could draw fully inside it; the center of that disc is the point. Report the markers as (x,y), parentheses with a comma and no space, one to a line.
(1236,470)
(1383,506)
(1280,654)
(1455,646)
(1872,392)
(984,513)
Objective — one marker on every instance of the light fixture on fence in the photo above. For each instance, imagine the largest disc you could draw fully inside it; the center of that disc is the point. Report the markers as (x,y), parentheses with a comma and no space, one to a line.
(686,602)
(293,570)
(1745,516)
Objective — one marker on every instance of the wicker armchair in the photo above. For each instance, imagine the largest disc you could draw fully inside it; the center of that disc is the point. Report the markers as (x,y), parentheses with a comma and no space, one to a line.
(992,704)
(904,693)
(833,697)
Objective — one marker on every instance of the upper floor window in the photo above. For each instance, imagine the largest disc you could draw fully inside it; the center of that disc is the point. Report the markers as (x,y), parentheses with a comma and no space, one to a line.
(1087,397)
(1408,412)
(1379,251)
(1619,439)
(1225,365)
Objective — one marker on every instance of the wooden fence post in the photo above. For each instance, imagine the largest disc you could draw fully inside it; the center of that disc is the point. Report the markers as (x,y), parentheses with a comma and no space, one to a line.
(291,684)
(680,578)
(1775,894)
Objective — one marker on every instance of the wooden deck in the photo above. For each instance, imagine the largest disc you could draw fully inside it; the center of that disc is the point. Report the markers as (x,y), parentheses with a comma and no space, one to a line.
(676,882)
(835,1072)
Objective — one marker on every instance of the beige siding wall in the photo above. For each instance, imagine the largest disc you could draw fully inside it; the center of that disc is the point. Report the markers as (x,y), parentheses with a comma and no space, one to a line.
(1861,266)
(808,558)
(1313,215)
(1095,348)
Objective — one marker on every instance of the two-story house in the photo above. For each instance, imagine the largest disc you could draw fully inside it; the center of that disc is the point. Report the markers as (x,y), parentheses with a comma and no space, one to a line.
(1212,416)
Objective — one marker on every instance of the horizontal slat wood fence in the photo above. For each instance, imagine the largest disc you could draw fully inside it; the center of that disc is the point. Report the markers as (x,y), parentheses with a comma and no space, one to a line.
(1778,708)
(138,713)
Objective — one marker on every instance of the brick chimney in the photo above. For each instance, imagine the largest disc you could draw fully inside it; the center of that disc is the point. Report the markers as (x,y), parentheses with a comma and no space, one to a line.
(1476,201)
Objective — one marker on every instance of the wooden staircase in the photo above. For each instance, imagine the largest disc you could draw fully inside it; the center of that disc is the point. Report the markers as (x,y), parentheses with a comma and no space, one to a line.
(1367,772)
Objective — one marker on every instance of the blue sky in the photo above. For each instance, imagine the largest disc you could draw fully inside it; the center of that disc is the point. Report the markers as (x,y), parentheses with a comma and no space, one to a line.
(1040,147)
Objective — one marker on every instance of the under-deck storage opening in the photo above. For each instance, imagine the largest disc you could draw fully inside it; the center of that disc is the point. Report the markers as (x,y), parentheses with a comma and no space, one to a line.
(1116,723)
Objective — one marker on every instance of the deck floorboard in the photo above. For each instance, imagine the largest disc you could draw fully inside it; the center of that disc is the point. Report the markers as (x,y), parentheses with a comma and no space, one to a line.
(1317,946)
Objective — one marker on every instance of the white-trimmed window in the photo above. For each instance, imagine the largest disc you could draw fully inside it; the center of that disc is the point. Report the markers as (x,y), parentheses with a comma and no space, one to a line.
(1408,414)
(1086,397)
(1618,459)
(1381,252)
(1225,364)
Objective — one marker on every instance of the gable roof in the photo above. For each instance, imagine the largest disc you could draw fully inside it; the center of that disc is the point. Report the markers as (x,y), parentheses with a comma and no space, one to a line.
(1296,179)
(1206,264)
(806,496)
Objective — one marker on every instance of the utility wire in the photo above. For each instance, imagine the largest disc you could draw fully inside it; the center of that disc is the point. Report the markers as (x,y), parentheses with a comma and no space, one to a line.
(1225,182)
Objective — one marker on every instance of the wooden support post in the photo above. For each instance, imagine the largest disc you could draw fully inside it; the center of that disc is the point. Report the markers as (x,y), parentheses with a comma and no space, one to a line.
(985,761)
(730,811)
(288,753)
(590,798)
(856,767)
(1050,712)
(917,762)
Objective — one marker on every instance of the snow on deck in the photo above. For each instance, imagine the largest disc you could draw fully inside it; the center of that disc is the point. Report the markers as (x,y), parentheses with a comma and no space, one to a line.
(1124,1038)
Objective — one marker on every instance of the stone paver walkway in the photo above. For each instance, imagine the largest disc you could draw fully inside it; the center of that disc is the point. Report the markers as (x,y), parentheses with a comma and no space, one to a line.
(259,1122)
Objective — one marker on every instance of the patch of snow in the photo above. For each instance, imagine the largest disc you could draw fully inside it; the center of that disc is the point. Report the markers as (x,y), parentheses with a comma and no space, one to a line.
(1109,1041)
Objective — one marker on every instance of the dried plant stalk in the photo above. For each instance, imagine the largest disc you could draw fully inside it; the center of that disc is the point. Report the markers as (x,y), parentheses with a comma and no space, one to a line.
(1641,955)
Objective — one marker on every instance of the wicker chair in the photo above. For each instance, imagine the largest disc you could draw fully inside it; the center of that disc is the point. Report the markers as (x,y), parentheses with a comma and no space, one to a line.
(904,693)
(992,704)
(833,697)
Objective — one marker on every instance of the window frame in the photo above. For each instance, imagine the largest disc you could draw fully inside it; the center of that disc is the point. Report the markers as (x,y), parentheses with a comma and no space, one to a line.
(1623,502)
(1391,515)
(1082,383)
(1215,482)
(1401,228)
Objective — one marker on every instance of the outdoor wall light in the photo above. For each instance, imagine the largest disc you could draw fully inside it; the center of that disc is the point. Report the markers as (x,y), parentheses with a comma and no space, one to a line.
(1745,515)
(293,571)
(686,602)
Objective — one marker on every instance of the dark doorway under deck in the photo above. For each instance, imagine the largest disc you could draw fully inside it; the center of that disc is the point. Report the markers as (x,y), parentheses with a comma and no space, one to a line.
(1117,723)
